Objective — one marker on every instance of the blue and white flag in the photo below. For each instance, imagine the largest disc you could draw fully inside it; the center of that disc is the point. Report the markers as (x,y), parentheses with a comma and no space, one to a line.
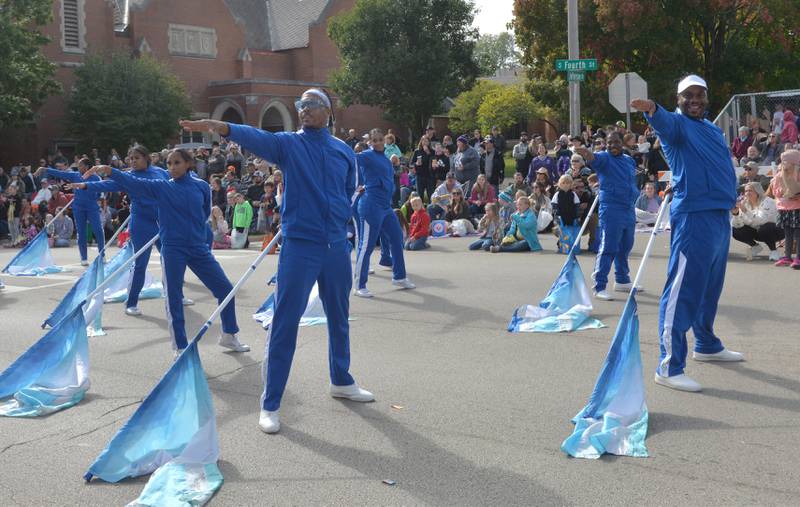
(34,260)
(117,290)
(88,282)
(173,435)
(615,419)
(314,314)
(51,375)
(567,306)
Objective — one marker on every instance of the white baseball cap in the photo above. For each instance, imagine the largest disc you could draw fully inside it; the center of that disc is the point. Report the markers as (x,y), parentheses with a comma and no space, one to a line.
(691,80)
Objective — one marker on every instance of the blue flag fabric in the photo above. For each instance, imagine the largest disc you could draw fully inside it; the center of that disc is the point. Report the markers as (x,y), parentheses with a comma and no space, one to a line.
(173,433)
(314,314)
(34,260)
(77,293)
(51,375)
(117,290)
(615,419)
(567,306)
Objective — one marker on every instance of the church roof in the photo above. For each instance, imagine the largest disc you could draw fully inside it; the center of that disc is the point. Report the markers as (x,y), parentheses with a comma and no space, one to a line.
(273,25)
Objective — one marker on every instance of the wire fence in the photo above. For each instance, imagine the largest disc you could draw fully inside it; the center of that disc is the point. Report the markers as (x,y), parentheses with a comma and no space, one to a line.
(756,111)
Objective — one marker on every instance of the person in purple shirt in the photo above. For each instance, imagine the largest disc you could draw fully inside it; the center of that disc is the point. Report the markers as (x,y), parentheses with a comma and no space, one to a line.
(542,159)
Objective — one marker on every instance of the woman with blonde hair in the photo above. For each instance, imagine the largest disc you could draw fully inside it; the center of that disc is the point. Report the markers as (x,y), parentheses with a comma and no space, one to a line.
(785,187)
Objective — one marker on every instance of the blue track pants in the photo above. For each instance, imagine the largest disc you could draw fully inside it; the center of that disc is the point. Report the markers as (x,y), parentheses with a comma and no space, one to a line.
(698,256)
(372,224)
(302,263)
(141,231)
(199,259)
(91,217)
(616,242)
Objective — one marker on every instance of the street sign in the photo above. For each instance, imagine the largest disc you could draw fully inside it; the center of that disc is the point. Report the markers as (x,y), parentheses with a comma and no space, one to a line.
(576,76)
(624,88)
(589,64)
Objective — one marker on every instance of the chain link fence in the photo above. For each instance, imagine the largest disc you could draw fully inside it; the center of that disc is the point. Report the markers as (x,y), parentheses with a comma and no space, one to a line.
(754,110)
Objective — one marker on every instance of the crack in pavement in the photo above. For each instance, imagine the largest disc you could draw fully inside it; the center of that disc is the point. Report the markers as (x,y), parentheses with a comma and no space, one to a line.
(139,400)
(240,368)
(96,429)
(25,442)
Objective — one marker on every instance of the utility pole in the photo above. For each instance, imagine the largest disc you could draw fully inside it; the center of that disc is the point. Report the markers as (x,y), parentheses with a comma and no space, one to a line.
(574,86)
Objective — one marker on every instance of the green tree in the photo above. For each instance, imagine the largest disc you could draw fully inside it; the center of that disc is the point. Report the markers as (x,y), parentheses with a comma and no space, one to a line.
(118,98)
(494,52)
(405,57)
(26,77)
(506,106)
(464,114)
(736,45)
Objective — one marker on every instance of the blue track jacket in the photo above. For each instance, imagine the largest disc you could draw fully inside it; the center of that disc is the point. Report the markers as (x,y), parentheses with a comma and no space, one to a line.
(617,177)
(184,205)
(703,177)
(84,199)
(319,172)
(142,206)
(377,175)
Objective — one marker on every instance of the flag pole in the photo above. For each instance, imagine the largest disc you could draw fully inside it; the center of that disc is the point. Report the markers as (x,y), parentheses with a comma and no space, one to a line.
(236,287)
(116,233)
(585,223)
(63,209)
(110,278)
(650,242)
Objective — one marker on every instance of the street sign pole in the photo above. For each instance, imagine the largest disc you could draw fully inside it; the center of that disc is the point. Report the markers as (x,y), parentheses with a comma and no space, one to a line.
(627,101)
(574,86)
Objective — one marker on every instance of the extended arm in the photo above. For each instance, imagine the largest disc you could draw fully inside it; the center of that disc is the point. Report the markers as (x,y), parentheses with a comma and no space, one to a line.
(262,143)
(664,122)
(70,176)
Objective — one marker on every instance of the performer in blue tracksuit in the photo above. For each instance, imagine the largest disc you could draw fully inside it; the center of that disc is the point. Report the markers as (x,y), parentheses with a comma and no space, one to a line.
(376,215)
(320,174)
(617,174)
(144,219)
(704,192)
(84,208)
(184,204)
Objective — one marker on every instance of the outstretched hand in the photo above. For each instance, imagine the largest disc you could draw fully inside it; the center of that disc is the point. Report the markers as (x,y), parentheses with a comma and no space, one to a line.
(213,126)
(75,186)
(644,106)
(587,155)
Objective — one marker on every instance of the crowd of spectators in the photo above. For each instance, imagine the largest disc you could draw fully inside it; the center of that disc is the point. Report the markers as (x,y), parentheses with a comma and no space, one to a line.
(461,180)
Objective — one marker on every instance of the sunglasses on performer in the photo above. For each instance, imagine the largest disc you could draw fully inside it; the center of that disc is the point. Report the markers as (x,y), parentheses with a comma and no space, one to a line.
(308,104)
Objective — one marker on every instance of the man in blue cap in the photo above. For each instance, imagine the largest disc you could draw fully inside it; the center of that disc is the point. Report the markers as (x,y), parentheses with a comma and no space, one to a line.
(704,192)
(320,178)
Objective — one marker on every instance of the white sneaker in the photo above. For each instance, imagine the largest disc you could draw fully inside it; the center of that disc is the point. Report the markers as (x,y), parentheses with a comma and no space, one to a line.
(405,283)
(605,296)
(352,393)
(84,263)
(187,302)
(269,422)
(680,382)
(723,355)
(370,271)
(753,252)
(626,287)
(363,293)
(231,341)
(774,255)
(133,311)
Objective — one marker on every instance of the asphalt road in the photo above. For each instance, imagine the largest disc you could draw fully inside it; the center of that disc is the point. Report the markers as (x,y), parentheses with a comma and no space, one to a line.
(483,412)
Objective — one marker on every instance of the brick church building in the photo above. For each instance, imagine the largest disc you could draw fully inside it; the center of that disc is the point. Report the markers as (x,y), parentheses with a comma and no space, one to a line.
(243,61)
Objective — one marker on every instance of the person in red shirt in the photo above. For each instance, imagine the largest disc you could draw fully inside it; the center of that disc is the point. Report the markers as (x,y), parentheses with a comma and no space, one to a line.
(58,200)
(419,228)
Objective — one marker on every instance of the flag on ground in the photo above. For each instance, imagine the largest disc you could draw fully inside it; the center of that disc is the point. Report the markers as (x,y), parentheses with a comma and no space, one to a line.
(567,306)
(84,286)
(34,260)
(51,375)
(313,315)
(117,290)
(615,419)
(172,435)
